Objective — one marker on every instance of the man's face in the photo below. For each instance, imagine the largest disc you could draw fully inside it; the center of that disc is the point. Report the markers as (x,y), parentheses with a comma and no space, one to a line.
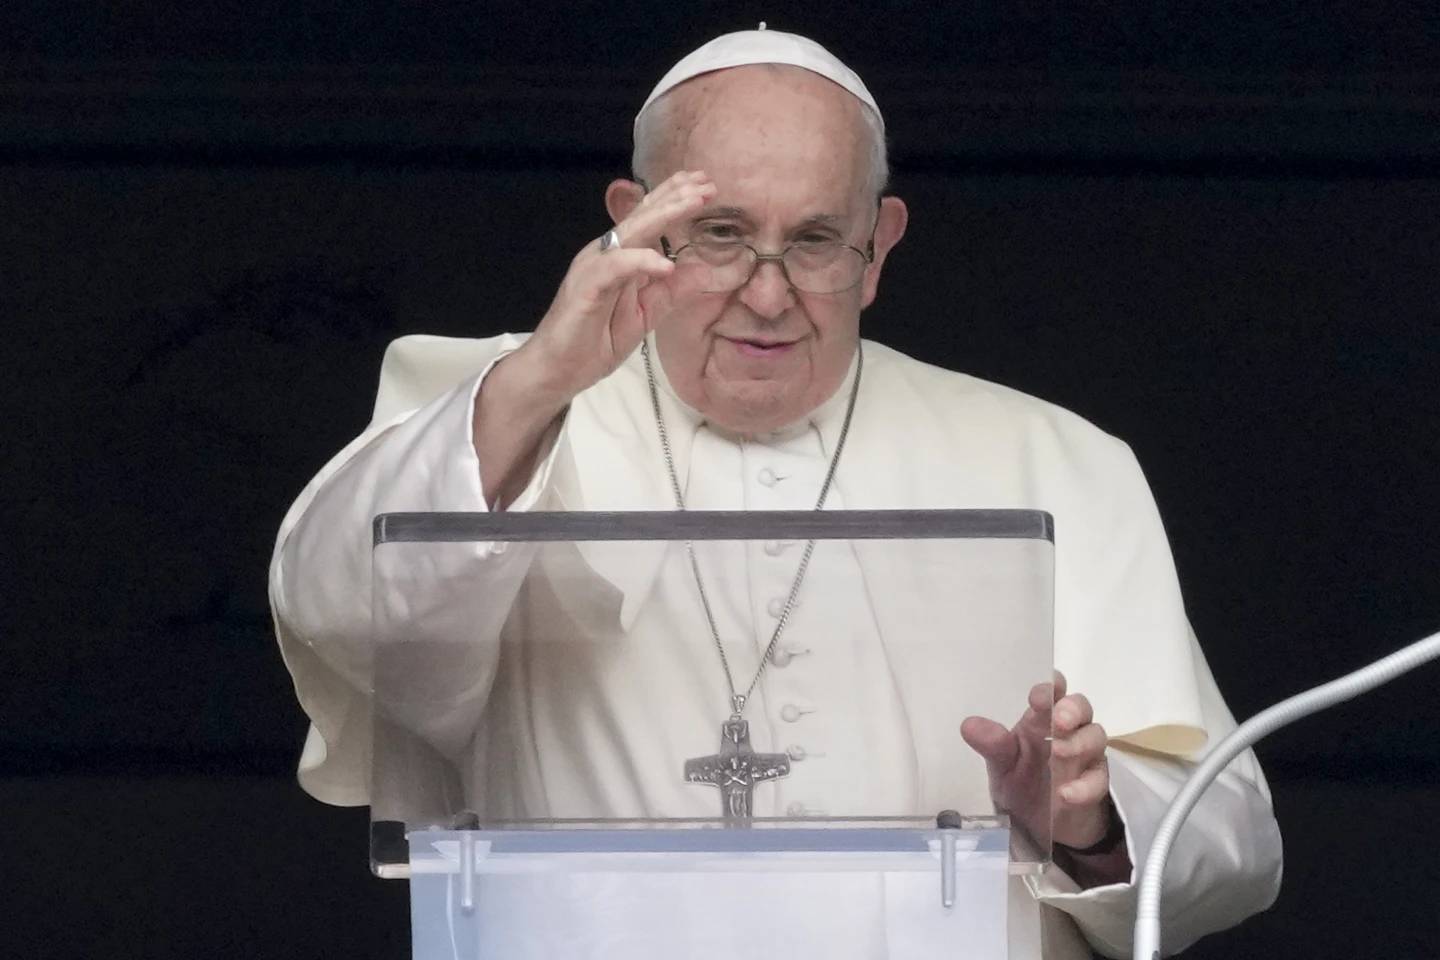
(789,155)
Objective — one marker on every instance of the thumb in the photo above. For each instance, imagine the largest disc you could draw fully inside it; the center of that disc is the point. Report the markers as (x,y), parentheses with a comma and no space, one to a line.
(653,301)
(998,746)
(627,327)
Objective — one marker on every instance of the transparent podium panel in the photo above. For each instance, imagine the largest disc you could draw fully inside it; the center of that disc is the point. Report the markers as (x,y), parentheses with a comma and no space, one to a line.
(612,701)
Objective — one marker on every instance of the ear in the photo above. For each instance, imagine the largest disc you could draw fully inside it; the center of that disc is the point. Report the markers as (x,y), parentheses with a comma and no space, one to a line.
(889,228)
(622,197)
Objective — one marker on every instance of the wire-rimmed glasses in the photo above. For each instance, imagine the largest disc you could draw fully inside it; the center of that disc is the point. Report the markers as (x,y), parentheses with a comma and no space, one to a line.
(810,266)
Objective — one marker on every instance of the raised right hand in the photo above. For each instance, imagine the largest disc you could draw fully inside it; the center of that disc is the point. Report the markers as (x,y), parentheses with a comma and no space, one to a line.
(609,300)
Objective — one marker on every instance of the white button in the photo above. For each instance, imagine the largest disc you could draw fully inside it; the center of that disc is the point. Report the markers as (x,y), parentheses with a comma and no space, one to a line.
(789,713)
(775,547)
(498,547)
(781,657)
(795,810)
(775,607)
(767,477)
(796,751)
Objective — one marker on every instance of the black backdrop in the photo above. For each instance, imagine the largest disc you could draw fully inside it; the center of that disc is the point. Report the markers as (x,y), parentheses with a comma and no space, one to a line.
(1212,231)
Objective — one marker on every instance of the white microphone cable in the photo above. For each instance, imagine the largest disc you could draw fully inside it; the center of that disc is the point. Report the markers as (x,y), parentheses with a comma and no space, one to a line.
(1147,913)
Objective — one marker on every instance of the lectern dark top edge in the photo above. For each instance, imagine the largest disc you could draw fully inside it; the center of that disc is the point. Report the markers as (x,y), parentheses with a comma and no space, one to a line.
(540,526)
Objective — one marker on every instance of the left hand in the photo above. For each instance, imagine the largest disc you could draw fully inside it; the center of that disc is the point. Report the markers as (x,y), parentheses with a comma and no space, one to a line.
(1077,787)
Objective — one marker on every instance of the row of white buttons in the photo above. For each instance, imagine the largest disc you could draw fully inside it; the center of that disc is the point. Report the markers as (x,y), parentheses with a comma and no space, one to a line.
(776,606)
(780,657)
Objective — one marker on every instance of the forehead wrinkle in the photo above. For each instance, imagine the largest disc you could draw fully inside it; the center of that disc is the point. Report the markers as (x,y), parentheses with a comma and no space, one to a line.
(745,215)
(710,96)
(740,213)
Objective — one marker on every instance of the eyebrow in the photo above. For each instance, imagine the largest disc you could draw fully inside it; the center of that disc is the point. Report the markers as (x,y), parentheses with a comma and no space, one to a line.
(737,213)
(733,212)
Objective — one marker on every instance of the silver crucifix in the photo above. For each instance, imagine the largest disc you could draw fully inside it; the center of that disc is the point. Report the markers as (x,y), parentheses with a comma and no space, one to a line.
(736,769)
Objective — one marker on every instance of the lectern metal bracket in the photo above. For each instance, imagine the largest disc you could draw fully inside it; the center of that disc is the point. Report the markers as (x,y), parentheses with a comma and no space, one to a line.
(947,822)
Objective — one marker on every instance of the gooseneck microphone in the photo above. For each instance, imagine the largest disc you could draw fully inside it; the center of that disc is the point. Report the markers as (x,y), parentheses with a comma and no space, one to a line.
(1147,913)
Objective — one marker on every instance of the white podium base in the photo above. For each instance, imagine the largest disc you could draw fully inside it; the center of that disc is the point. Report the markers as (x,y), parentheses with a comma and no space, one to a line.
(807,905)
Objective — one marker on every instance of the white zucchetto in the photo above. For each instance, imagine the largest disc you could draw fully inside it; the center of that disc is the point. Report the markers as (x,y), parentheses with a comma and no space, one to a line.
(763,46)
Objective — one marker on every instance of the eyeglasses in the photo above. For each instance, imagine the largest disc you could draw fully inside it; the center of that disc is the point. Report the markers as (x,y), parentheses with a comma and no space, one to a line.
(810,266)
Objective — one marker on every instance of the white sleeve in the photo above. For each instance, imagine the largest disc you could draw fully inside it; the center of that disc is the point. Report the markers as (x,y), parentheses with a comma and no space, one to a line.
(1224,866)
(321,573)
(1123,639)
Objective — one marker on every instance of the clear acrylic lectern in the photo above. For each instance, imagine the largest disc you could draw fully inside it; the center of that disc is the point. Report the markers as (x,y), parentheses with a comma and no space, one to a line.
(703,734)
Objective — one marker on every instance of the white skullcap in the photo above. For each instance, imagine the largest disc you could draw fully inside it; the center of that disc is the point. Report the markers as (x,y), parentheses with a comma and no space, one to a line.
(763,46)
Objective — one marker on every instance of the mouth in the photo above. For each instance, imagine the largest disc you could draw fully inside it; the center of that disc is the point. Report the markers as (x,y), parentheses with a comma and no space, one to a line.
(758,347)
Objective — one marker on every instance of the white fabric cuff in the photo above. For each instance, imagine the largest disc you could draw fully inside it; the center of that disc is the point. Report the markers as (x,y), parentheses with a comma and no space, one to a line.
(1224,866)
(535,489)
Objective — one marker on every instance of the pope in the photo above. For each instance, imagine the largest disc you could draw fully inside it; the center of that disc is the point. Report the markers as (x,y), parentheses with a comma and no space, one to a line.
(753,233)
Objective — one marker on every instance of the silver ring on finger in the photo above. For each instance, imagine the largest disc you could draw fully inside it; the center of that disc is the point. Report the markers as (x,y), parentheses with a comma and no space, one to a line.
(610,241)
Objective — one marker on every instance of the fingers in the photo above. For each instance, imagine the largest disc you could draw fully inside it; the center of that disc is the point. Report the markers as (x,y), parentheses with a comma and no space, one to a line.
(1051,713)
(680,196)
(1081,748)
(631,318)
(1071,713)
(1079,765)
(606,303)
(607,273)
(999,747)
(1089,788)
(1042,697)
(1034,724)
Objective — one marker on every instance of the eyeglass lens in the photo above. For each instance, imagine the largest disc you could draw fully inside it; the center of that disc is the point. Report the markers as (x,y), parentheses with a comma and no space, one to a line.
(810,267)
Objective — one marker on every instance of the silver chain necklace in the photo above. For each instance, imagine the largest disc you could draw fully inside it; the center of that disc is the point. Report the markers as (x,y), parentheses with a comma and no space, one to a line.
(736,768)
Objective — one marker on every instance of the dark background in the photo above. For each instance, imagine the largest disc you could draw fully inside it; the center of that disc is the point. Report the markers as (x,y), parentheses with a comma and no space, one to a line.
(1209,228)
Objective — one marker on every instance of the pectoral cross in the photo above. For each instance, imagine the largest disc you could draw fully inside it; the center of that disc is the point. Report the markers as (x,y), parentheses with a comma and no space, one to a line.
(736,769)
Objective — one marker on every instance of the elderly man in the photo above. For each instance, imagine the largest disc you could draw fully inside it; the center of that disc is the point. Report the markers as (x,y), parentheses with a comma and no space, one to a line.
(710,337)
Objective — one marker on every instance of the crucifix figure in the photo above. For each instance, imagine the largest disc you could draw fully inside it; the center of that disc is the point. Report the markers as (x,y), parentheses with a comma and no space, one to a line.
(736,769)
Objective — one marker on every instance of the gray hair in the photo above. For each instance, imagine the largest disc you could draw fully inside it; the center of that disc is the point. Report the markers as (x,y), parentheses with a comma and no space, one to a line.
(653,120)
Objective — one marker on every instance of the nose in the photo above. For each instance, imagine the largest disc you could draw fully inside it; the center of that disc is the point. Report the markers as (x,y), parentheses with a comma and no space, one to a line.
(768,293)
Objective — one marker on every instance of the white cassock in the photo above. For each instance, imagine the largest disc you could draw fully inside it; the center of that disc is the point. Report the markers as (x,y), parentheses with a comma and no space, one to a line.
(580,741)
